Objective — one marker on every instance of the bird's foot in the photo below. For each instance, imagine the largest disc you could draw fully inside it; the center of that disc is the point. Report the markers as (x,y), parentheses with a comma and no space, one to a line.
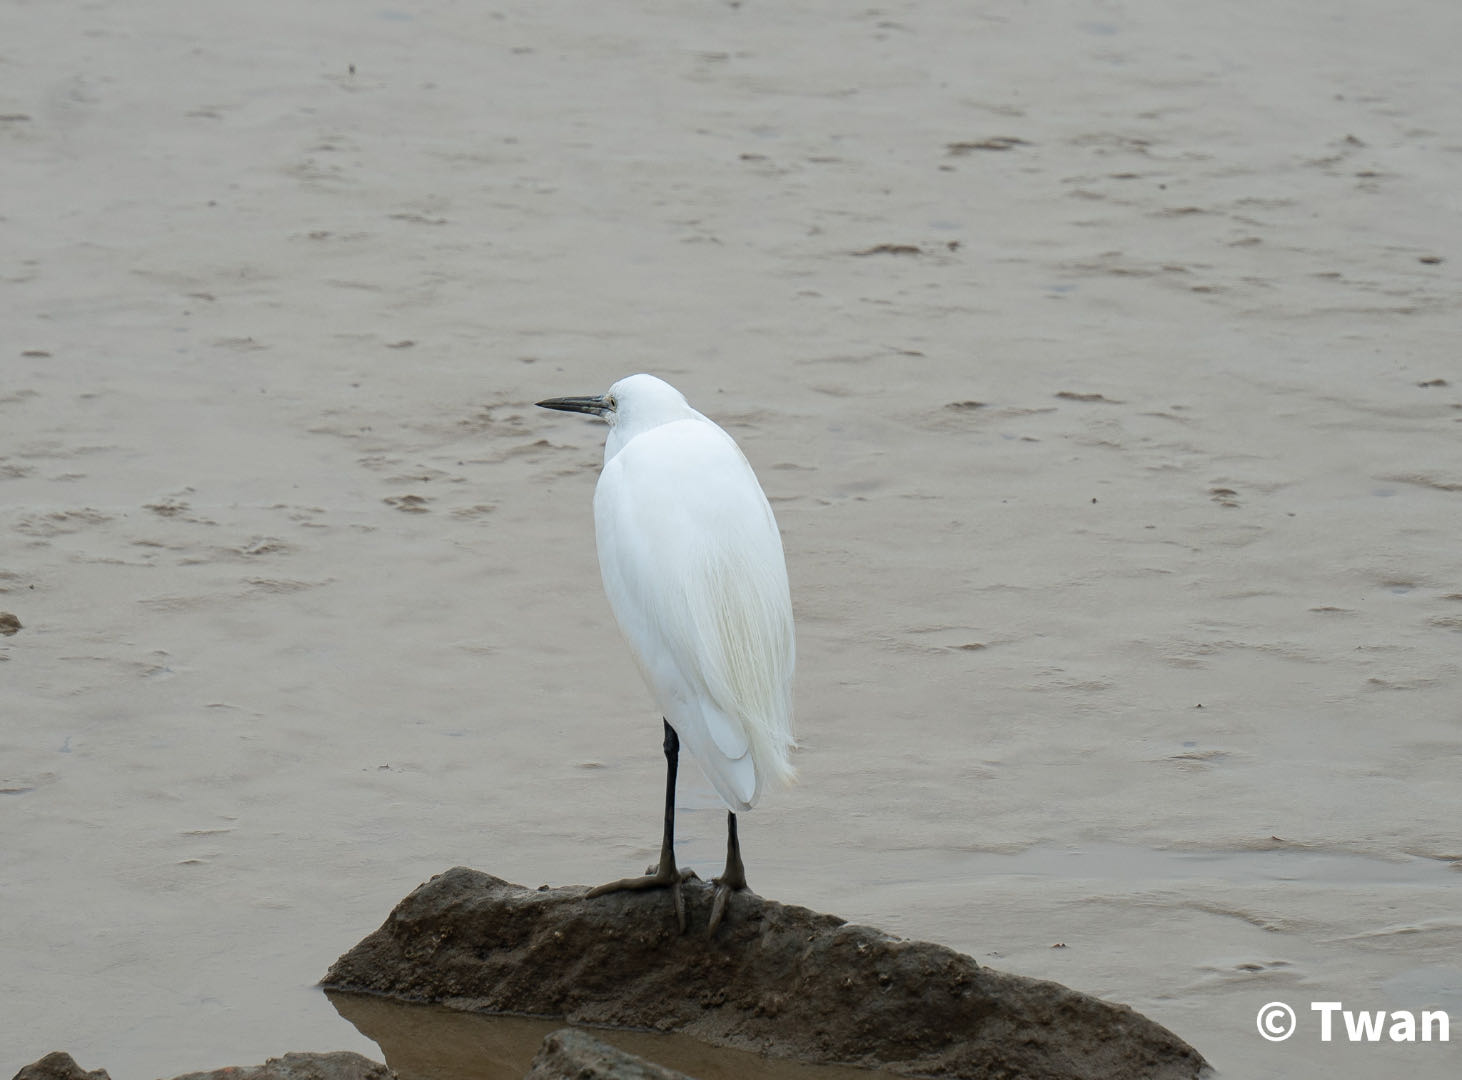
(726,884)
(663,877)
(732,879)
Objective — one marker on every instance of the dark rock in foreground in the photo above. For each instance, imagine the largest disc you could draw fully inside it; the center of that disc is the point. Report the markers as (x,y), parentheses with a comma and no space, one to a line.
(775,979)
(577,1055)
(340,1065)
(59,1065)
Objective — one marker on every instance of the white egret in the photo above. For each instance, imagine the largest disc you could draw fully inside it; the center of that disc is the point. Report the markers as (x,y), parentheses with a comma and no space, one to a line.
(693,567)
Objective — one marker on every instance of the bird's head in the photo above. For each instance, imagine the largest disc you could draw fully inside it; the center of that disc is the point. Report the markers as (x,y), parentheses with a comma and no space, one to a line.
(639,401)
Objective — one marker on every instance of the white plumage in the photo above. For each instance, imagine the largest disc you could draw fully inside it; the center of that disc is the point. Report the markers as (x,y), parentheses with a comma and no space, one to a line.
(693,567)
(695,575)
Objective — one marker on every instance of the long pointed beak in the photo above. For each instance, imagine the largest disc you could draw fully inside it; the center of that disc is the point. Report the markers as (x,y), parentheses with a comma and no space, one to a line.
(595,405)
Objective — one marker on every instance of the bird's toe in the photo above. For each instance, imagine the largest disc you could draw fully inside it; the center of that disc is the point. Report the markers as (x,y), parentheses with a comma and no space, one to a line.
(718,908)
(679,899)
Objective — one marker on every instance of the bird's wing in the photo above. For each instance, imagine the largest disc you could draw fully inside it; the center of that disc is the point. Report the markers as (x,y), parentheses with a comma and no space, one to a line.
(693,568)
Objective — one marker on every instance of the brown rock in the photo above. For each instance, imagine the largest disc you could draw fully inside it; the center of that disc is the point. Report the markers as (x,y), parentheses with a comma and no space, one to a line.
(575,1055)
(339,1065)
(775,979)
(59,1065)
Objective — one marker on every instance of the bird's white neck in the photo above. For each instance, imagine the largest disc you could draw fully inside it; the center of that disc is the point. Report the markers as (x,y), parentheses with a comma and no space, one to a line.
(630,423)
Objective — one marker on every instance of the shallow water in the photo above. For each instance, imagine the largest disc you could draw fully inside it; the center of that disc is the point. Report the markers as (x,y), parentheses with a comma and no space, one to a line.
(425,1042)
(1102,862)
(1121,519)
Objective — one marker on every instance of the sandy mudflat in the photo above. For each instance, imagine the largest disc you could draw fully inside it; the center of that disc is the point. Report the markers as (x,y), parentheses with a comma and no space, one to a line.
(1100,359)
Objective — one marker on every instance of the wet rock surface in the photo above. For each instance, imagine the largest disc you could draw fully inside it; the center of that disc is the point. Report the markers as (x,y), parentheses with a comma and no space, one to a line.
(775,979)
(340,1065)
(577,1055)
(59,1065)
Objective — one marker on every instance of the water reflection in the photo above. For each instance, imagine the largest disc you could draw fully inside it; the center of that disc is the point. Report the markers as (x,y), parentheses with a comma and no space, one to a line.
(429,1042)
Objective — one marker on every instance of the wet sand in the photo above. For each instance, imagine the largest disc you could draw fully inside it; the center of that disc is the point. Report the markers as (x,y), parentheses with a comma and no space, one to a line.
(1100,363)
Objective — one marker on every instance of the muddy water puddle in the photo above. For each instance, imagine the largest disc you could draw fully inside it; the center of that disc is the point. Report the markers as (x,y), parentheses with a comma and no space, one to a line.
(431,1042)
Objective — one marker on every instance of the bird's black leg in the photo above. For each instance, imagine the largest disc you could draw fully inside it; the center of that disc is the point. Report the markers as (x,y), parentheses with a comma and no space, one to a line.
(665,875)
(672,766)
(733,878)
